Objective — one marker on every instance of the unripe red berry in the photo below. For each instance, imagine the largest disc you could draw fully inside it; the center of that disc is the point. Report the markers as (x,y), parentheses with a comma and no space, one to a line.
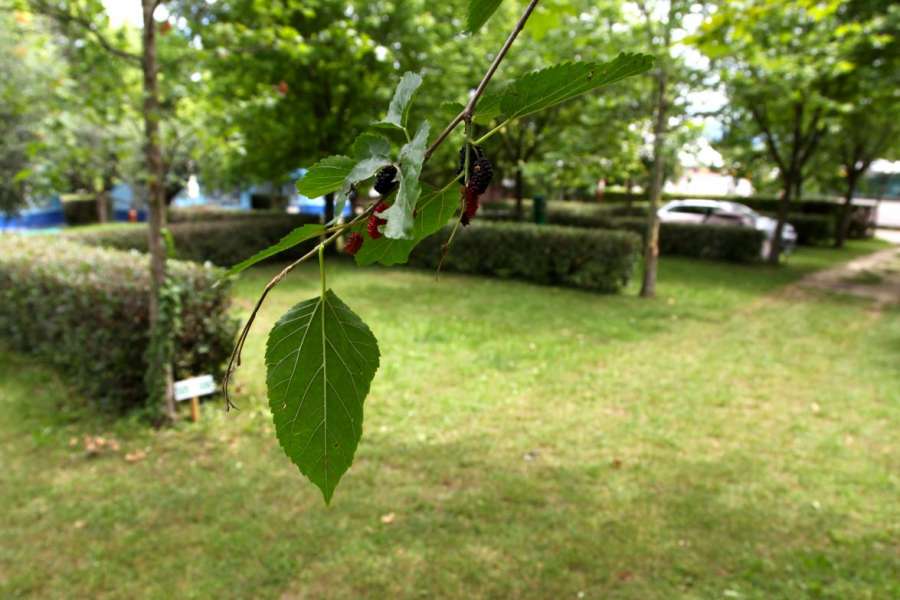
(354,243)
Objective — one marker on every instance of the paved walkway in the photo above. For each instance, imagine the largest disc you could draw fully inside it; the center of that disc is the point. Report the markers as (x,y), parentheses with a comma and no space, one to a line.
(875,277)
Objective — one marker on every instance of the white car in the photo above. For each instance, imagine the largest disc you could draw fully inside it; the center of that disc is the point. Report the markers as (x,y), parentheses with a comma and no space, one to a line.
(715,212)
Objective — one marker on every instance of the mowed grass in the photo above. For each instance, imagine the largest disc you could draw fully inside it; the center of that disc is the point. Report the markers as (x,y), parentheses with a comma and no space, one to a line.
(726,440)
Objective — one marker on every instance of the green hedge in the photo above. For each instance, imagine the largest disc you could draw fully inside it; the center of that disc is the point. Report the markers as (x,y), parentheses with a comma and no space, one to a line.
(85,310)
(223,242)
(714,242)
(597,260)
(81,209)
(209,213)
(813,229)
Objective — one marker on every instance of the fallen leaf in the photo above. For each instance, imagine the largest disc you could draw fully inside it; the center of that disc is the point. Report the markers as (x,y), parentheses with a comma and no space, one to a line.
(135,456)
(388,518)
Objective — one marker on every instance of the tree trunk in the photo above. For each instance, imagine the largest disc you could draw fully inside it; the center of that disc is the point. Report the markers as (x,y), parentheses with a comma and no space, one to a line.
(155,186)
(783,209)
(843,224)
(103,206)
(651,237)
(520,192)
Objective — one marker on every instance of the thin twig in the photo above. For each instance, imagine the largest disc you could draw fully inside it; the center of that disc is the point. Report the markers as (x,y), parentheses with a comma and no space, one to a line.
(469,110)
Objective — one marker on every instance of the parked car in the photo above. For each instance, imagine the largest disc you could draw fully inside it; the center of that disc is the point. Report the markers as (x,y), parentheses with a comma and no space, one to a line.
(715,212)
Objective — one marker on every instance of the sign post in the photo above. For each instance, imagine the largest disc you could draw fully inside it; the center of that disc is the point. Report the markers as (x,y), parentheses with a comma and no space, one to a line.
(192,389)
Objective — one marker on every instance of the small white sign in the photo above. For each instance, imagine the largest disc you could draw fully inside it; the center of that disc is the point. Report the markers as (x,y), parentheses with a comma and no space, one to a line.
(194,387)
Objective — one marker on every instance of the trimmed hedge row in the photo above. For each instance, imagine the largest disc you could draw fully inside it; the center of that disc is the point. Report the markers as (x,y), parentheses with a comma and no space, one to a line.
(223,242)
(598,260)
(813,229)
(714,242)
(207,214)
(85,310)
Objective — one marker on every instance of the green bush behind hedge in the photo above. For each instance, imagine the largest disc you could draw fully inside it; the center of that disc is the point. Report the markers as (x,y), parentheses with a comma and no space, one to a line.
(599,260)
(714,242)
(85,310)
(222,242)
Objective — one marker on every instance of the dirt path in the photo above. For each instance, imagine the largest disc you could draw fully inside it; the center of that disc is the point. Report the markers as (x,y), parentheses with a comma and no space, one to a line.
(875,277)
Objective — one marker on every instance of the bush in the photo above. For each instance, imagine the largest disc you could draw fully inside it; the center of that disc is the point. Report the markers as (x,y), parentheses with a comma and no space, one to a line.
(223,242)
(86,311)
(80,210)
(813,229)
(598,260)
(215,213)
(716,242)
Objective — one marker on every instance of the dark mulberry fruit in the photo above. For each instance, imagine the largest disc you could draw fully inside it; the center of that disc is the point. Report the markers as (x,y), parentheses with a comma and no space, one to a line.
(384,180)
(354,243)
(477,153)
(481,175)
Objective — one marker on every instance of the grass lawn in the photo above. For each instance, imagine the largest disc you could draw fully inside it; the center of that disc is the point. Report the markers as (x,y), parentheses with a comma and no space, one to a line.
(726,440)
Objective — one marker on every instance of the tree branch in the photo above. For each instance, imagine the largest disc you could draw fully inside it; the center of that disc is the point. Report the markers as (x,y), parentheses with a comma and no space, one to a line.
(67,18)
(469,110)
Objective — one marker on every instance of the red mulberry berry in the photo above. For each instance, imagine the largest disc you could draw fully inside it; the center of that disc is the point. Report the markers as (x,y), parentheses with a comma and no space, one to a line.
(471,206)
(375,221)
(354,243)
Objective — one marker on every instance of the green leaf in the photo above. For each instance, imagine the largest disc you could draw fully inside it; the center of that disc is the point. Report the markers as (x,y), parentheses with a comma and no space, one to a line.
(433,211)
(325,176)
(479,13)
(297,236)
(488,107)
(320,361)
(399,216)
(371,144)
(554,85)
(398,111)
(364,169)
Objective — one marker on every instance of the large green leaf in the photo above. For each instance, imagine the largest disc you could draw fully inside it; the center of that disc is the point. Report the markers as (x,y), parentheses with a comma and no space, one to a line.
(479,13)
(399,216)
(320,361)
(325,176)
(370,144)
(297,236)
(398,110)
(554,85)
(433,211)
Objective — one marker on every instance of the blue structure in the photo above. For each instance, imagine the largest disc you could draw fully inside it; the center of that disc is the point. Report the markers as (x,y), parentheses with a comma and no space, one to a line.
(48,212)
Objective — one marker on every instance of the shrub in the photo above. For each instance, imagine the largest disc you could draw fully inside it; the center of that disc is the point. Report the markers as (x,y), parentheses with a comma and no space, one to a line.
(223,242)
(85,310)
(80,210)
(598,260)
(215,213)
(716,242)
(813,229)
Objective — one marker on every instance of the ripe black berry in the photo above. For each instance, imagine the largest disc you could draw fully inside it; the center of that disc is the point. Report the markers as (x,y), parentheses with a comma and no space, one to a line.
(384,180)
(476,154)
(481,175)
(471,205)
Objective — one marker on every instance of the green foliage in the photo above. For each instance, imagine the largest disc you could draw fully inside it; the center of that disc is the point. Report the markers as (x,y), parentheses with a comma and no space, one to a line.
(479,12)
(320,361)
(398,110)
(85,310)
(712,242)
(598,260)
(326,176)
(433,211)
(554,85)
(297,236)
(813,229)
(400,219)
(223,243)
